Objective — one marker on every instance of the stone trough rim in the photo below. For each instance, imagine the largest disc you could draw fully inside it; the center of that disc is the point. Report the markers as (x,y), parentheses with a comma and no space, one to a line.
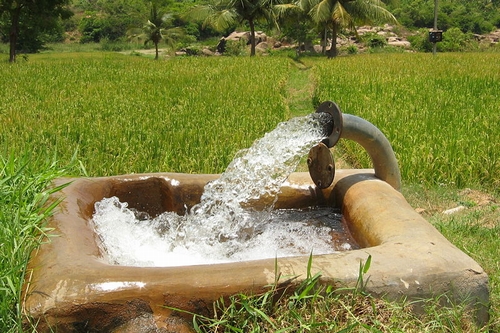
(410,259)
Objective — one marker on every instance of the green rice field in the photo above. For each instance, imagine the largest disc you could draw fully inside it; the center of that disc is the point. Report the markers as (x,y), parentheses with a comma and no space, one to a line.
(441,113)
(123,114)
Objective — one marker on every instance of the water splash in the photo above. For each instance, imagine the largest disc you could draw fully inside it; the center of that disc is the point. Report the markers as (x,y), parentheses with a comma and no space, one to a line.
(220,228)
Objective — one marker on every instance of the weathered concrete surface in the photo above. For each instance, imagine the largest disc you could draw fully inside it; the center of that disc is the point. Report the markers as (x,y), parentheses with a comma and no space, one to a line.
(71,289)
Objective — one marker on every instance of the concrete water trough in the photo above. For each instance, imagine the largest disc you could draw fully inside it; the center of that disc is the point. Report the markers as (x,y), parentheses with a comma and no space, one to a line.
(70,288)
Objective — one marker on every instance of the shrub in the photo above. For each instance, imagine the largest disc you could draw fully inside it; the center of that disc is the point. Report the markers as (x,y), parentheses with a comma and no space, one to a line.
(420,41)
(236,48)
(352,49)
(91,27)
(373,40)
(454,40)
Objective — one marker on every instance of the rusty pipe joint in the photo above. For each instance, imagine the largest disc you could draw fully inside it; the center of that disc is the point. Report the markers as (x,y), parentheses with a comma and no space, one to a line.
(354,128)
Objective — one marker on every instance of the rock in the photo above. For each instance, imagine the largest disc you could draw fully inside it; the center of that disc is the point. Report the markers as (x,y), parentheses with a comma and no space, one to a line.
(493,37)
(420,210)
(205,51)
(453,210)
(400,43)
(260,36)
(364,30)
(262,46)
(237,36)
(318,48)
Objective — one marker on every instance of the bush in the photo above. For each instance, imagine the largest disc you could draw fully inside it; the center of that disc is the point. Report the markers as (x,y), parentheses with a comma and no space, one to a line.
(117,46)
(91,27)
(454,40)
(95,26)
(420,41)
(469,16)
(235,48)
(352,49)
(373,40)
(185,41)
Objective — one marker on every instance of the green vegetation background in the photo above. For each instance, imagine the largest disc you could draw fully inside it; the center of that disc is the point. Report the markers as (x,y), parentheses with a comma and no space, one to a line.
(109,20)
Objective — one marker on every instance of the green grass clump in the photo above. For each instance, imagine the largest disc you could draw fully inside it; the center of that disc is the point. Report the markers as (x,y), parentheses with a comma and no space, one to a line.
(475,231)
(313,306)
(439,112)
(23,210)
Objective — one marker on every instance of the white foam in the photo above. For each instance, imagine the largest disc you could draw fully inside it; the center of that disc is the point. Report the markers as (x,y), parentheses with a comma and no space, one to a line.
(219,229)
(163,241)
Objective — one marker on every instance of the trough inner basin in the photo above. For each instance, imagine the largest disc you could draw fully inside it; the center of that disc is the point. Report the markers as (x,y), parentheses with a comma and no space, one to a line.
(129,235)
(71,288)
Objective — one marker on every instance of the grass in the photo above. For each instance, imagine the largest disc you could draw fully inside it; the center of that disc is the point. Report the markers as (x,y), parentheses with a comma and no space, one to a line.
(474,230)
(127,114)
(23,210)
(101,114)
(315,307)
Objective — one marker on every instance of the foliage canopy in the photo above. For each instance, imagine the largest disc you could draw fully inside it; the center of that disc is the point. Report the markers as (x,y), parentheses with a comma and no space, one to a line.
(28,25)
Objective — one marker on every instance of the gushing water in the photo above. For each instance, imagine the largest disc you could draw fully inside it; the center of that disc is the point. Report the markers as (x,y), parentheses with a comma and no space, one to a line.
(220,228)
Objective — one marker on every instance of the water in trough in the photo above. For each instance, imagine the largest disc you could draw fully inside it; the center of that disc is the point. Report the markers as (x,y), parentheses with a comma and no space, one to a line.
(222,227)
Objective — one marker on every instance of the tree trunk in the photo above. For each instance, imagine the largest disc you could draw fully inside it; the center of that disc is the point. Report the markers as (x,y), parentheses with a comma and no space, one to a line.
(323,46)
(14,32)
(252,38)
(332,52)
(156,49)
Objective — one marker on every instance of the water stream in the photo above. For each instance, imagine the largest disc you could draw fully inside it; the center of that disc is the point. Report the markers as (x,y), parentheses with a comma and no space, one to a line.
(221,228)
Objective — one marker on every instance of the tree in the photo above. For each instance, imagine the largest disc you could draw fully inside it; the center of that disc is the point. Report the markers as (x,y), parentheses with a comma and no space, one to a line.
(337,14)
(221,14)
(157,28)
(38,15)
(470,16)
(296,23)
(111,19)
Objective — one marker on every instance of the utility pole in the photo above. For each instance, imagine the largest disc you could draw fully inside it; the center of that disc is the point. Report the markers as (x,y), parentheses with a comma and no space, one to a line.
(435,24)
(435,35)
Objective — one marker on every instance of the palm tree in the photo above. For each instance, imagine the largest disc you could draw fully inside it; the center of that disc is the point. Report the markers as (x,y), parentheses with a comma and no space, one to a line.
(222,14)
(337,14)
(296,21)
(156,30)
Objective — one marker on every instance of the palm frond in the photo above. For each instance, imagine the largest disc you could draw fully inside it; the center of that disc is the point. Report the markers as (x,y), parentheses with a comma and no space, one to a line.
(284,9)
(223,19)
(199,13)
(342,17)
(370,12)
(321,11)
(166,17)
(170,35)
(307,4)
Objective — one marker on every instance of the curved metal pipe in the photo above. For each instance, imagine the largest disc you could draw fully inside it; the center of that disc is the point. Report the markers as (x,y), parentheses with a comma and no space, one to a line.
(376,144)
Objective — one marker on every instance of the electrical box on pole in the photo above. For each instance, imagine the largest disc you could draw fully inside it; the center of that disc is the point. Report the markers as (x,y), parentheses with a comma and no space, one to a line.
(435,36)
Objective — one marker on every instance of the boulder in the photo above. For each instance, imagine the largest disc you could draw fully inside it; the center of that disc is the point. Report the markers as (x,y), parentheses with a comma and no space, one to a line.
(207,52)
(260,36)
(262,46)
(237,36)
(400,43)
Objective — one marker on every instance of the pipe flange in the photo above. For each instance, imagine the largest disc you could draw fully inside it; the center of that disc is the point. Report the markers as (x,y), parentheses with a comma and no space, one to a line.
(334,127)
(321,165)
